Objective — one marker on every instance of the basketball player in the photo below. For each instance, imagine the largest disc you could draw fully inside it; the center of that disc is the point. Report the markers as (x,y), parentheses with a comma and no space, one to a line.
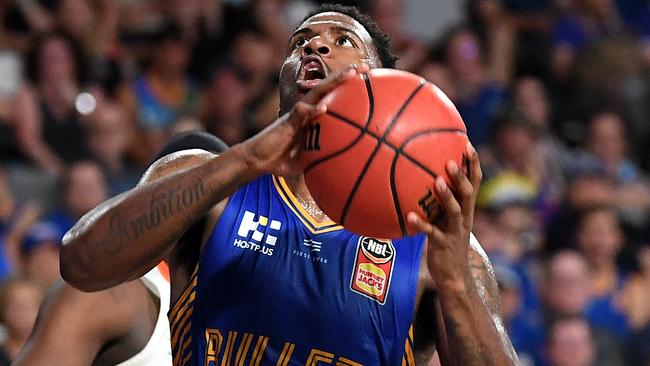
(125,325)
(273,281)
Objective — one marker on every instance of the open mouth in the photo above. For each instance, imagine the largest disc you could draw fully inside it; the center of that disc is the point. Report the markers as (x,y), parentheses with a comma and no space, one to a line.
(311,73)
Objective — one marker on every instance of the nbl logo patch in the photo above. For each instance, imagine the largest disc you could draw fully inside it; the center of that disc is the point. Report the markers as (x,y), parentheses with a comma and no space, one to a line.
(372,268)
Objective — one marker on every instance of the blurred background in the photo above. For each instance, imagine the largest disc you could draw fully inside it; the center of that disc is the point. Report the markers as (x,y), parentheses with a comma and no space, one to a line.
(555,95)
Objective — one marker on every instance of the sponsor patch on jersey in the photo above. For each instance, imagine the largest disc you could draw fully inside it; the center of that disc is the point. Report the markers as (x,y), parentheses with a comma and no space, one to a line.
(257,235)
(372,268)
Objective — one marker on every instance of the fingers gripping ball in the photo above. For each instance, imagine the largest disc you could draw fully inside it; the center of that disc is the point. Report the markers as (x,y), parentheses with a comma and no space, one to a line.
(374,156)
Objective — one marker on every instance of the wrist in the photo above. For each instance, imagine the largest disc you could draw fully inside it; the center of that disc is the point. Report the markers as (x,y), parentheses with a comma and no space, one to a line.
(244,153)
(455,287)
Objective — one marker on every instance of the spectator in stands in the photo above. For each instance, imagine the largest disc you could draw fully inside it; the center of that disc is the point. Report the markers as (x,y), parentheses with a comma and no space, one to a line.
(531,101)
(587,188)
(606,149)
(606,146)
(93,26)
(158,97)
(388,14)
(22,20)
(567,287)
(440,75)
(481,78)
(20,299)
(224,113)
(40,254)
(581,23)
(570,343)
(253,56)
(600,238)
(82,187)
(260,79)
(533,20)
(520,146)
(109,137)
(634,300)
(15,221)
(202,26)
(508,199)
(567,292)
(48,121)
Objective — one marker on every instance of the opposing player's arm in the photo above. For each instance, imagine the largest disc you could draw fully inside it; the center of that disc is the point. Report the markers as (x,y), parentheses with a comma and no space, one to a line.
(73,326)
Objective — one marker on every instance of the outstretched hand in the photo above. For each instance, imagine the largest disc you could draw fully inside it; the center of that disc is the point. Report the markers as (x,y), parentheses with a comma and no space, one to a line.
(448,237)
(276,148)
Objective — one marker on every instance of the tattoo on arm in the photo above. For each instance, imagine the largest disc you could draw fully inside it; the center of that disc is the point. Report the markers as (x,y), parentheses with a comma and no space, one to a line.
(467,352)
(163,204)
(488,290)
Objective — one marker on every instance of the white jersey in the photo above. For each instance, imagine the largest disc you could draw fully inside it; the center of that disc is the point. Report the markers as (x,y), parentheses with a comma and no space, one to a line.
(157,352)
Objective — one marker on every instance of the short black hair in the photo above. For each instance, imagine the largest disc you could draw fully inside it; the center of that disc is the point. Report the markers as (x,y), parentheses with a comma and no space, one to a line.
(380,39)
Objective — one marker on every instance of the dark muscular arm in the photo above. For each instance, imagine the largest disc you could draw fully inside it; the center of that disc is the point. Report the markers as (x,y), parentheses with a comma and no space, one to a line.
(471,320)
(126,236)
(468,317)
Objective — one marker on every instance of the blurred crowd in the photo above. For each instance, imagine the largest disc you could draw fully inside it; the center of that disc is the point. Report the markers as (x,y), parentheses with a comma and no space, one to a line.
(555,95)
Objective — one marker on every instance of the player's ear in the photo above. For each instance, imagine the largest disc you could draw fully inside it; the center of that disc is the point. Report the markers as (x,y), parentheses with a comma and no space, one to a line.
(279,112)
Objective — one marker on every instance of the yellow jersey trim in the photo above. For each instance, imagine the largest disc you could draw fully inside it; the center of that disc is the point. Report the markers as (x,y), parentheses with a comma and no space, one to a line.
(294,205)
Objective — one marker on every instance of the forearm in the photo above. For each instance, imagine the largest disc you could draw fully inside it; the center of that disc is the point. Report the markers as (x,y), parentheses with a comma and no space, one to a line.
(474,336)
(126,236)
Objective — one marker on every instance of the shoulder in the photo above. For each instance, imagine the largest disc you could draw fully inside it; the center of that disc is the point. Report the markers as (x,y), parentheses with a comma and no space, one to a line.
(174,162)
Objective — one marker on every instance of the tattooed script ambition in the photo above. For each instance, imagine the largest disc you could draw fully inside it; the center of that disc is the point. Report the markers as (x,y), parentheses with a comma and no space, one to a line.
(163,204)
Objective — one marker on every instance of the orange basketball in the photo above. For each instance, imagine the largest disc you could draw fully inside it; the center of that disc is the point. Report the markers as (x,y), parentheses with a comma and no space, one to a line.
(374,156)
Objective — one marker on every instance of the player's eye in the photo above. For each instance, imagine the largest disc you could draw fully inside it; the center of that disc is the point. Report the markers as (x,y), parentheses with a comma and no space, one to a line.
(345,41)
(301,42)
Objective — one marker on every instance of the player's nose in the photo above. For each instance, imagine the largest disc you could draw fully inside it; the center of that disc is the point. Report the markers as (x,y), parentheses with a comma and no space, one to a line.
(316,45)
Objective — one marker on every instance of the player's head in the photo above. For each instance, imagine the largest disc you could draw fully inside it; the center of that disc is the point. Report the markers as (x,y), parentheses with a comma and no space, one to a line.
(329,39)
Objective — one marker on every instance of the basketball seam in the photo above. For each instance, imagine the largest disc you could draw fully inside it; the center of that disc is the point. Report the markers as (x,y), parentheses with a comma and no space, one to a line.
(371,109)
(380,141)
(393,190)
(399,149)
(393,186)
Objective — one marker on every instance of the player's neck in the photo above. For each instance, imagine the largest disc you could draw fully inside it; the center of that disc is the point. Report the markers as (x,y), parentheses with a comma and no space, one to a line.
(299,189)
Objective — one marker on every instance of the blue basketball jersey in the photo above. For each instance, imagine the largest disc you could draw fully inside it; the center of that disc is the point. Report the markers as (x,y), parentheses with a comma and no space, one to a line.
(274,287)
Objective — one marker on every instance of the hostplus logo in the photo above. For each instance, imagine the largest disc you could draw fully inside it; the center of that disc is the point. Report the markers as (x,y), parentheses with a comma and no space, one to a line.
(310,250)
(258,235)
